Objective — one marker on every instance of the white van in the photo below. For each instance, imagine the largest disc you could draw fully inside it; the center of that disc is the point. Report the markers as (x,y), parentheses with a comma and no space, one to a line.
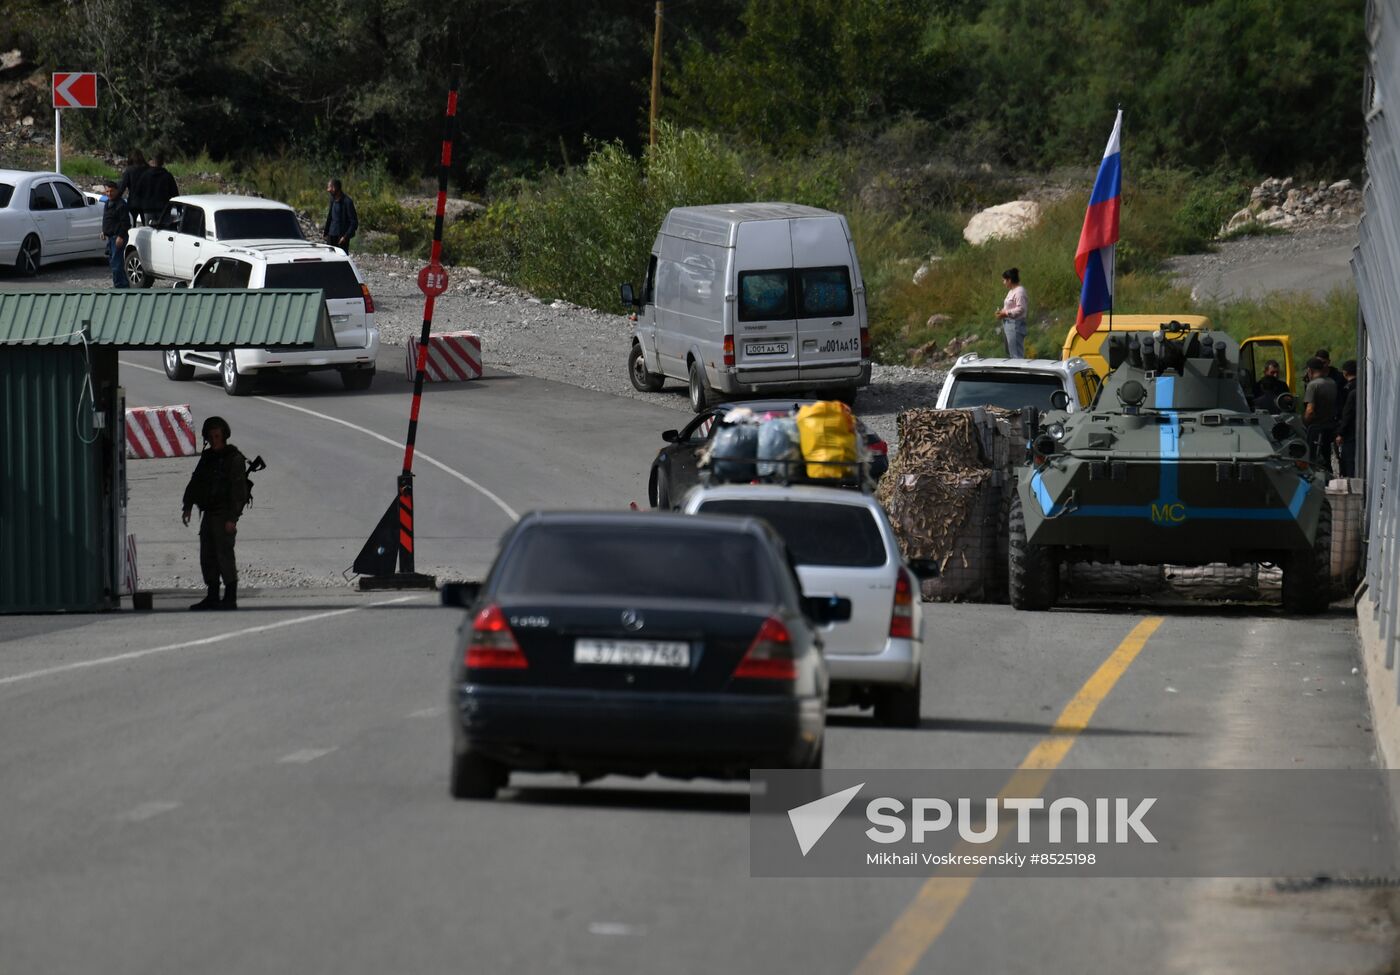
(751,299)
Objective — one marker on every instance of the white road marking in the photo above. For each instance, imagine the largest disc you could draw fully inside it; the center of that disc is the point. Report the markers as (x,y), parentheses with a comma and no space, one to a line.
(203,642)
(614,929)
(304,755)
(428,713)
(147,810)
(490,495)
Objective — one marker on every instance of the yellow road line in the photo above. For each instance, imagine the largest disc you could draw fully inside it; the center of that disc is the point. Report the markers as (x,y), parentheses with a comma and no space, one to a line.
(914,932)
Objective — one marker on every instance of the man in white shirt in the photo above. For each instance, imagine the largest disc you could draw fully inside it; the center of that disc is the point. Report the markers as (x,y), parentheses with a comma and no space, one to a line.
(1013,314)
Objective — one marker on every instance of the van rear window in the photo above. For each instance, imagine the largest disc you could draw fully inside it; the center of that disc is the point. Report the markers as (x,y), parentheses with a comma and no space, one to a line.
(765,296)
(824,292)
(335,278)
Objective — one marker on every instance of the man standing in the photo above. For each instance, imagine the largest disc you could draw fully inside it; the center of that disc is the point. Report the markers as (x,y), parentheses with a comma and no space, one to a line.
(1013,314)
(1320,413)
(1269,386)
(116,224)
(220,487)
(159,187)
(1346,427)
(1330,371)
(341,222)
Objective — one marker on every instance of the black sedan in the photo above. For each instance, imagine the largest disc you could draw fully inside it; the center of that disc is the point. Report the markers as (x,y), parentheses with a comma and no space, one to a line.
(619,643)
(676,468)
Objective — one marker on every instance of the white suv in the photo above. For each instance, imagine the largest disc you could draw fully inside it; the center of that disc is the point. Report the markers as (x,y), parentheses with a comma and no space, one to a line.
(289,265)
(842,544)
(1016,383)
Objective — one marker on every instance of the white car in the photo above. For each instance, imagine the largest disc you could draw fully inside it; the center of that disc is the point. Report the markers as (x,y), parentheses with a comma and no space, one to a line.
(190,229)
(45,219)
(288,265)
(842,544)
(1016,383)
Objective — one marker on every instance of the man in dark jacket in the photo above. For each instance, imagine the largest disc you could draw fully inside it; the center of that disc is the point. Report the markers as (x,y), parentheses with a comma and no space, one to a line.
(158,187)
(220,487)
(116,224)
(133,183)
(1346,427)
(341,221)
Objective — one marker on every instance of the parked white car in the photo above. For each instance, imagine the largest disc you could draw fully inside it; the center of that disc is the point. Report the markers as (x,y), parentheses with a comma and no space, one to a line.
(1016,383)
(191,228)
(45,219)
(842,544)
(288,265)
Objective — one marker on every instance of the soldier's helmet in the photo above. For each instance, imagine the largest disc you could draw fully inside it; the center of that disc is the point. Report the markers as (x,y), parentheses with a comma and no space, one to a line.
(216,423)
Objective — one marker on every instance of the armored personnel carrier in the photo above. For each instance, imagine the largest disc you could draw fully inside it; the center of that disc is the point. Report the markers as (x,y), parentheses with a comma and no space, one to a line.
(1169,466)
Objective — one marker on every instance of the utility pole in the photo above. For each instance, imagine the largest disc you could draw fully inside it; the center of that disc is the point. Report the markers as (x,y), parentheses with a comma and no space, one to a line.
(655,73)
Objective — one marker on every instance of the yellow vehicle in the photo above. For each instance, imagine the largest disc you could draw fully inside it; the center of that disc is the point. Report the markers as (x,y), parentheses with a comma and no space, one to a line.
(1254,351)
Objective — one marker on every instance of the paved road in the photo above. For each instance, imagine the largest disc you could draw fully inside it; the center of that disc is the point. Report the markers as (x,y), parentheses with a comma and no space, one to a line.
(267,790)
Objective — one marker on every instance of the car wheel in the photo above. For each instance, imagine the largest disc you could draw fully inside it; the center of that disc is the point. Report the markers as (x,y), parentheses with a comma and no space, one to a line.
(1307,573)
(898,707)
(643,380)
(663,491)
(136,275)
(175,369)
(235,383)
(700,393)
(475,777)
(1033,573)
(357,378)
(30,256)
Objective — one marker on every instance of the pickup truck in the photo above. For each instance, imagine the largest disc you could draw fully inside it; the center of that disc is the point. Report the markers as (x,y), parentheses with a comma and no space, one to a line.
(194,228)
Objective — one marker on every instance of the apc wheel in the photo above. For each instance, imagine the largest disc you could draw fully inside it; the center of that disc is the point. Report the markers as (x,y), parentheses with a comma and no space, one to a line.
(475,777)
(701,395)
(30,256)
(898,707)
(643,381)
(1033,575)
(175,369)
(136,275)
(235,383)
(1307,574)
(355,379)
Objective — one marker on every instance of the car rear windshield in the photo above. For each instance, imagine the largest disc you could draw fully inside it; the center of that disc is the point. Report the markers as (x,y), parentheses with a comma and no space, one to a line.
(6,191)
(257,225)
(816,533)
(1006,390)
(336,278)
(821,292)
(650,561)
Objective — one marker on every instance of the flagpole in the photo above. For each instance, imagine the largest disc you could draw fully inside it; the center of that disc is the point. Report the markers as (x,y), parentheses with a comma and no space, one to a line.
(1113,285)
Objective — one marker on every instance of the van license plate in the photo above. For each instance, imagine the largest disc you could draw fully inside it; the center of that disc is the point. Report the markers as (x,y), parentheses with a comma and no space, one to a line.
(766,348)
(632,653)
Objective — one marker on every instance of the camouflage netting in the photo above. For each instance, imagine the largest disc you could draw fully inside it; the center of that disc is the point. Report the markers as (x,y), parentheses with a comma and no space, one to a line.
(943,497)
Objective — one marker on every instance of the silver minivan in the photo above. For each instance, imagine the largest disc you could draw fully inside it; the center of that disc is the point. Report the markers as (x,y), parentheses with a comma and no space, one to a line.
(751,299)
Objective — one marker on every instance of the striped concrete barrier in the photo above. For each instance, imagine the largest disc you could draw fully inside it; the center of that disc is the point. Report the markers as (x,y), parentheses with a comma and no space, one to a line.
(160,431)
(452,357)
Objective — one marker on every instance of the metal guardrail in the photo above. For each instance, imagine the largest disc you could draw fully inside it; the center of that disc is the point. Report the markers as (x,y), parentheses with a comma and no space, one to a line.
(1375,264)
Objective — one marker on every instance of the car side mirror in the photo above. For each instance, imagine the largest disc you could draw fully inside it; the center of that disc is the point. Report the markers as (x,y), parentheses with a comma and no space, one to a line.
(629,297)
(1059,399)
(924,568)
(460,594)
(671,436)
(827,609)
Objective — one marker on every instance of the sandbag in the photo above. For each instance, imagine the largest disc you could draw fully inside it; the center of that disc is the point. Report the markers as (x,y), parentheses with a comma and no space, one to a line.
(827,433)
(779,448)
(734,451)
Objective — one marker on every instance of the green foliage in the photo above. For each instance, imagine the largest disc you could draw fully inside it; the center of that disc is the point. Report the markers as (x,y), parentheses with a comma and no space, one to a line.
(85,169)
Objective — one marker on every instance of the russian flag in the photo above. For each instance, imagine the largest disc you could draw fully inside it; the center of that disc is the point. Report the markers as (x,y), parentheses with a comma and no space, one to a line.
(1093,259)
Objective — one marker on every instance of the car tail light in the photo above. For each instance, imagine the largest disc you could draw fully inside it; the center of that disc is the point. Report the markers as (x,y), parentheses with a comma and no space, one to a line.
(729,350)
(493,645)
(902,615)
(865,343)
(769,657)
(369,299)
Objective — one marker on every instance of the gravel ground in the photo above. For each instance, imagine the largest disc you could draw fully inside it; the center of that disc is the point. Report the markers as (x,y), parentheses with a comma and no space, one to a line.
(563,342)
(1314,260)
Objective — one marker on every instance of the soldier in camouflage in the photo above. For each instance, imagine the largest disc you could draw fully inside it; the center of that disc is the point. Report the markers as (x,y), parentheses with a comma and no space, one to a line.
(219,487)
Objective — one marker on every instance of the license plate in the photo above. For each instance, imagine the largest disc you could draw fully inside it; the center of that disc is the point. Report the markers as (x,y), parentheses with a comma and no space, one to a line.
(766,348)
(632,653)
